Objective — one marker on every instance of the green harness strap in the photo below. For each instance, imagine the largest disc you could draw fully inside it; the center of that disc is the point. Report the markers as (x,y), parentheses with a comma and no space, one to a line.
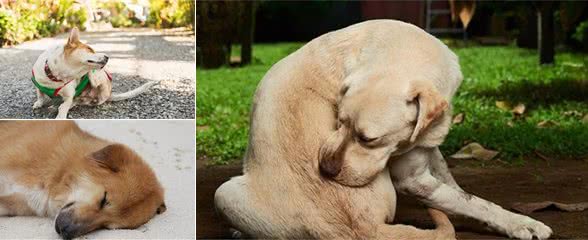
(53,92)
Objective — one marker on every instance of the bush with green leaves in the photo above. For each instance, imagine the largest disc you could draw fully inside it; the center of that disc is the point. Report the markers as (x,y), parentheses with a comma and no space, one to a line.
(171,13)
(29,19)
(581,34)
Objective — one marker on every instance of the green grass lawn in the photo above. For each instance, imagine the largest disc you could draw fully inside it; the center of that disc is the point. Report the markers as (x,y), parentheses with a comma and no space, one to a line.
(491,73)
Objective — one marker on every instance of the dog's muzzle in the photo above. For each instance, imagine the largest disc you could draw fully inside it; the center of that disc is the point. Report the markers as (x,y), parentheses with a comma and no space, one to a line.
(66,226)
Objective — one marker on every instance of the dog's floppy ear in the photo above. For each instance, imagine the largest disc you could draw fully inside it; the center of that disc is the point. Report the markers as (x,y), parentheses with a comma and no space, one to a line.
(430,105)
(330,158)
(74,36)
(111,157)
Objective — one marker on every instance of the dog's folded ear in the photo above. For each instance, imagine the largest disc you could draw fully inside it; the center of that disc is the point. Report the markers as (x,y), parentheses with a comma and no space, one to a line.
(430,105)
(74,36)
(111,157)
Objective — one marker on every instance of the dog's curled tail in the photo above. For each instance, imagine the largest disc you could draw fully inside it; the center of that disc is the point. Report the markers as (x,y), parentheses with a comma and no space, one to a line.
(133,93)
(444,226)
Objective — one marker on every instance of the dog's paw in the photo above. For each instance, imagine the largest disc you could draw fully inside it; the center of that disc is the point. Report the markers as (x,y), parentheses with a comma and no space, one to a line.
(527,228)
(37,104)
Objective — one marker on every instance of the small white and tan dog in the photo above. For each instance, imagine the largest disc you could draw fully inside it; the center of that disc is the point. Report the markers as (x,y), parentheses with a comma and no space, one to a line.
(75,71)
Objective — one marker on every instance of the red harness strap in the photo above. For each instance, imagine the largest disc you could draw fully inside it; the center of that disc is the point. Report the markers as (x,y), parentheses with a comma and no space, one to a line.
(49,73)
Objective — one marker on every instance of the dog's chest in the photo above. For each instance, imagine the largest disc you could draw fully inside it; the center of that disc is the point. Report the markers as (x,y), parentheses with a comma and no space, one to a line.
(16,199)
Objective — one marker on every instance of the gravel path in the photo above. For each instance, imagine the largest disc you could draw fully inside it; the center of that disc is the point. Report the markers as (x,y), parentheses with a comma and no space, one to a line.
(136,56)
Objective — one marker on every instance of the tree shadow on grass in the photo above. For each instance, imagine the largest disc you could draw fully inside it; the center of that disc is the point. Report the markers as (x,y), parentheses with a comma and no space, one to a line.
(534,93)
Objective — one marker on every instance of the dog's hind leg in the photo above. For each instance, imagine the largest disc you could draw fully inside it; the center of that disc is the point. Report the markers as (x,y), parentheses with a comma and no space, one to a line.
(412,176)
(444,229)
(232,201)
(439,169)
(42,99)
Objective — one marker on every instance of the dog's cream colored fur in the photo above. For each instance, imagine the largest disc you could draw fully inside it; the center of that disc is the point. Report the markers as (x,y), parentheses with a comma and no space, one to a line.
(345,107)
(295,111)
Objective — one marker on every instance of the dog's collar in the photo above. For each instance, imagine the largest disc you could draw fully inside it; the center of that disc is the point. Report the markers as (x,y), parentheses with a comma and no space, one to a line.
(49,73)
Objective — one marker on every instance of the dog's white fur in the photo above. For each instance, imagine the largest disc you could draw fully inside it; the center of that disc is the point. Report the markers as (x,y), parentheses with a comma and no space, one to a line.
(350,104)
(72,66)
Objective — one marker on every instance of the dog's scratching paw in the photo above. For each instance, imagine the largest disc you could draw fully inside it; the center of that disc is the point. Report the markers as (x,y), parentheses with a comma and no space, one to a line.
(236,234)
(37,104)
(527,228)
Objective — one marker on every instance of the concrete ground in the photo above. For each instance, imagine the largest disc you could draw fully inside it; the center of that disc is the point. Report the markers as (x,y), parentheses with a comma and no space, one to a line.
(168,147)
(136,57)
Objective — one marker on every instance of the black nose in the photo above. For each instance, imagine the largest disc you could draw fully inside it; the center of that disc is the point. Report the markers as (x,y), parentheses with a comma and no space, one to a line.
(65,227)
(105,59)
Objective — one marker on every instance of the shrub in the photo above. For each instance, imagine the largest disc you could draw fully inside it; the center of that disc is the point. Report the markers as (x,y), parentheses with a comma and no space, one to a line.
(29,19)
(171,13)
(581,34)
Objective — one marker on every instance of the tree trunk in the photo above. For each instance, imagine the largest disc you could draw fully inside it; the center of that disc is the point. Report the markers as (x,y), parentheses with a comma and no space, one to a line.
(247,31)
(545,40)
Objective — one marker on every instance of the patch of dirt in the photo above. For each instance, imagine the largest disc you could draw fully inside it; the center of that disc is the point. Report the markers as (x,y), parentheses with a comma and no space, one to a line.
(563,181)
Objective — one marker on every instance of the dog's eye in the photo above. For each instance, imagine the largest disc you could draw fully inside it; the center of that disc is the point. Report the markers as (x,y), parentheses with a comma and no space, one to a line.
(104,201)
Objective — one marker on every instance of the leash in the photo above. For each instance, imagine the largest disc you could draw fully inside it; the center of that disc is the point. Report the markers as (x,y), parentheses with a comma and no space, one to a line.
(54,92)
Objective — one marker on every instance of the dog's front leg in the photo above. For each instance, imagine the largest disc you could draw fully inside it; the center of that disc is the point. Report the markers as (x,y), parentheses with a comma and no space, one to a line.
(411,175)
(66,105)
(42,99)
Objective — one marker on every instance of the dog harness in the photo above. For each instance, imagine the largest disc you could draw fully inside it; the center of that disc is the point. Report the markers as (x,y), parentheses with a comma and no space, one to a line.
(53,92)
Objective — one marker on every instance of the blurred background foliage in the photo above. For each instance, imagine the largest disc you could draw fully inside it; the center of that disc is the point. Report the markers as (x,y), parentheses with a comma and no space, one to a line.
(29,19)
(22,20)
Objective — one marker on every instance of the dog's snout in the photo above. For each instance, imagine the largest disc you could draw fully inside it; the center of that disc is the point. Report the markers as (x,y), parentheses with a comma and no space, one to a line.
(105,58)
(67,226)
(64,225)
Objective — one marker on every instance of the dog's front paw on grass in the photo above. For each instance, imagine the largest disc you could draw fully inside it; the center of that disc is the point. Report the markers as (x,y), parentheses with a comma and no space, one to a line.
(528,228)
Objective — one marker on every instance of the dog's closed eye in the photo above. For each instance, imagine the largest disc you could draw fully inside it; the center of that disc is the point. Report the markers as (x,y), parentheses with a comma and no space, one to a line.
(104,201)
(365,139)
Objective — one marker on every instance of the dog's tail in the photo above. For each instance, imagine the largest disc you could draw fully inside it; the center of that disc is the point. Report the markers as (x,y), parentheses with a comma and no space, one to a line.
(133,93)
(444,226)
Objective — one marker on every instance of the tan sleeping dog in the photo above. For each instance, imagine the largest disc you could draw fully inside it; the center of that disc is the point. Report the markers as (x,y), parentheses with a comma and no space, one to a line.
(54,169)
(296,113)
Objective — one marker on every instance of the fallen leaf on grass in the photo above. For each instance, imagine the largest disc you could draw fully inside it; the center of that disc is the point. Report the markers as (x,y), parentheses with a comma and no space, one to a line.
(510,123)
(542,156)
(585,119)
(572,113)
(519,109)
(476,151)
(504,105)
(547,123)
(458,118)
(527,208)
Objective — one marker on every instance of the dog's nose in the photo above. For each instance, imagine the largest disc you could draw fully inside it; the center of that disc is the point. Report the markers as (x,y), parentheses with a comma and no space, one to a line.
(105,59)
(65,226)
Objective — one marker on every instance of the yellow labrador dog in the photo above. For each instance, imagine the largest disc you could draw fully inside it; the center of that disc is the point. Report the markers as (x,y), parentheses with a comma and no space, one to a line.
(344,108)
(298,106)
